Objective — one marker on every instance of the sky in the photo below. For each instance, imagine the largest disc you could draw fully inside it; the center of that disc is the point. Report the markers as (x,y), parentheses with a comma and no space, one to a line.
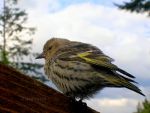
(122,35)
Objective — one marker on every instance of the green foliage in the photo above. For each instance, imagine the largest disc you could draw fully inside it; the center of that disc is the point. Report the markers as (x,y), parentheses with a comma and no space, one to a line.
(14,49)
(4,58)
(139,6)
(144,108)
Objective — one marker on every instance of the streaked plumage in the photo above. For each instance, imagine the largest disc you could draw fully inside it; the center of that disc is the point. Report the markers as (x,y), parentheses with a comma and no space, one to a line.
(80,70)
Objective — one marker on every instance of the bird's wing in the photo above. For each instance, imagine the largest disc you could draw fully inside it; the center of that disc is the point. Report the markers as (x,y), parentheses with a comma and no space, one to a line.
(101,60)
(116,80)
(95,57)
(89,54)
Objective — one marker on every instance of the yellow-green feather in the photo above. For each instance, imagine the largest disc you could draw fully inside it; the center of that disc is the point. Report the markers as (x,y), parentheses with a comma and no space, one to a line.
(100,60)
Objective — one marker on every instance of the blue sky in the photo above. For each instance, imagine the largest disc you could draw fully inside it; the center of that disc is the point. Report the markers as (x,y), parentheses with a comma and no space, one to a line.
(122,35)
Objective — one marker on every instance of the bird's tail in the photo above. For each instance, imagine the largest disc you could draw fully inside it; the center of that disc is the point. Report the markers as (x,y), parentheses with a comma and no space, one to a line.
(131,86)
(121,81)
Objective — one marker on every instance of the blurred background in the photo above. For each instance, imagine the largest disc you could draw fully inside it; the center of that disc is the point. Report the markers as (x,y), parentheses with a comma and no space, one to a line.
(120,28)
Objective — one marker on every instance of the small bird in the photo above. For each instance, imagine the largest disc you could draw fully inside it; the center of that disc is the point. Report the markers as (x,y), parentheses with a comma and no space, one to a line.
(80,70)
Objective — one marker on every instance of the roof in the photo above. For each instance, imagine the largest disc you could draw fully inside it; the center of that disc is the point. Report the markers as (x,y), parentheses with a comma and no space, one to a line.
(21,94)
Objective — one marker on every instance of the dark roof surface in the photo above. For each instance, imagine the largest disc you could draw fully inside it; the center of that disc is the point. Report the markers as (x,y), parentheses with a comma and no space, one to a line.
(22,94)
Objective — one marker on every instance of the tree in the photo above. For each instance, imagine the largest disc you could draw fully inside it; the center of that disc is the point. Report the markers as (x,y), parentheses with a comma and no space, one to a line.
(15,49)
(12,20)
(139,6)
(144,108)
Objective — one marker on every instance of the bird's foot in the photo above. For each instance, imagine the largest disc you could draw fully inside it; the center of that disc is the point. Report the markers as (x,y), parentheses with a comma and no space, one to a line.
(78,106)
(82,103)
(77,102)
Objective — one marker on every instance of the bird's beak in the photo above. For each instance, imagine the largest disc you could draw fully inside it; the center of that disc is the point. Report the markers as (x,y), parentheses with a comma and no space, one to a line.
(42,55)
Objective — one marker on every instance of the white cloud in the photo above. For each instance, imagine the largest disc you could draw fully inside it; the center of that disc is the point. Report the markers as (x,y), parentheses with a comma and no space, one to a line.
(108,105)
(114,102)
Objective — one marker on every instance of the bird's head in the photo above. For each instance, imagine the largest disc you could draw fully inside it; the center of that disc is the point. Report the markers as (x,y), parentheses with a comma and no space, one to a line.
(51,47)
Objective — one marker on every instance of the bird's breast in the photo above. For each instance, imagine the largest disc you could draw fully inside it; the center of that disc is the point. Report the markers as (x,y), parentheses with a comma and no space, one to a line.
(71,76)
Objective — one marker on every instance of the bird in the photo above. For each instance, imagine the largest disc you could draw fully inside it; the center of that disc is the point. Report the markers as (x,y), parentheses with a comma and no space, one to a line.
(80,70)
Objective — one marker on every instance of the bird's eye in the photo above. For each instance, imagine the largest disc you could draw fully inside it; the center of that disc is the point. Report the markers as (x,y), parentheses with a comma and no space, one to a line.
(50,48)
